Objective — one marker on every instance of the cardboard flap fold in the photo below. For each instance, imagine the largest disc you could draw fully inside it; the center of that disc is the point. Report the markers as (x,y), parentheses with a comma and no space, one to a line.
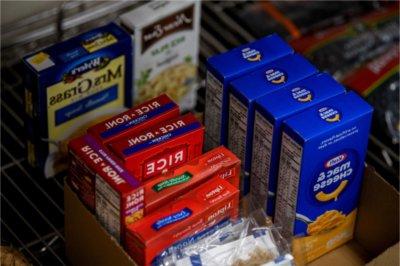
(377,225)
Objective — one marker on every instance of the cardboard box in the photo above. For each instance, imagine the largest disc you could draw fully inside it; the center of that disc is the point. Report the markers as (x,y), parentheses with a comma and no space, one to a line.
(165,50)
(71,85)
(377,230)
(320,173)
(161,148)
(270,112)
(225,67)
(134,120)
(243,93)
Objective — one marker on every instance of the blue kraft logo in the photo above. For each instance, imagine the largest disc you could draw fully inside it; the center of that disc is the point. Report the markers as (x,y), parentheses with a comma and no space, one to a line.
(276,76)
(333,176)
(302,95)
(329,114)
(251,55)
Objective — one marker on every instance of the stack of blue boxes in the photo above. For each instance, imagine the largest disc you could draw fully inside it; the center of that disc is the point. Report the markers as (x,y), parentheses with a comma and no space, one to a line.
(300,136)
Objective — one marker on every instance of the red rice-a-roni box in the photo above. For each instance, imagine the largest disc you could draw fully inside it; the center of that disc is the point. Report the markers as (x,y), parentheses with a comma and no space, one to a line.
(198,209)
(116,196)
(161,148)
(136,119)
(217,163)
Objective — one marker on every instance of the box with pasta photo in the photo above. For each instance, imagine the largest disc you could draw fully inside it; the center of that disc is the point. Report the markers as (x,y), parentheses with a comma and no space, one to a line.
(320,173)
(270,112)
(165,50)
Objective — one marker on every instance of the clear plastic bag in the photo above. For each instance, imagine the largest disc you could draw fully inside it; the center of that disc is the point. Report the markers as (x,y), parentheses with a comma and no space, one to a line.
(248,240)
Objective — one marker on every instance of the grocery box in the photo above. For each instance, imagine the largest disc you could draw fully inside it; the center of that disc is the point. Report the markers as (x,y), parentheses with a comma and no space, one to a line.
(135,120)
(161,148)
(225,67)
(320,173)
(107,189)
(197,210)
(217,163)
(165,50)
(245,90)
(376,233)
(118,199)
(270,111)
(71,85)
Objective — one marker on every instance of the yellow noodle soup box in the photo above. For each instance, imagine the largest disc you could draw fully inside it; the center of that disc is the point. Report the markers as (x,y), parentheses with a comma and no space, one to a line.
(165,50)
(320,173)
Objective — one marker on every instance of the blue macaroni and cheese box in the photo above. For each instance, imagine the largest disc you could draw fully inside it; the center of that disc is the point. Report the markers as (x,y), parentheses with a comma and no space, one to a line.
(71,84)
(320,173)
(225,67)
(243,93)
(270,111)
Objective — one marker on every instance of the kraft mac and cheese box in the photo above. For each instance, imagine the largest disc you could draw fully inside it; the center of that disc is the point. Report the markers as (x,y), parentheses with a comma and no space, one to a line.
(135,120)
(243,93)
(320,173)
(70,85)
(199,209)
(270,111)
(225,67)
(217,163)
(161,148)
(166,45)
(115,196)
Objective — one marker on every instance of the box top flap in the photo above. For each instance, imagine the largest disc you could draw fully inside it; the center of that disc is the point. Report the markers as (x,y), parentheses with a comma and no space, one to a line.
(377,226)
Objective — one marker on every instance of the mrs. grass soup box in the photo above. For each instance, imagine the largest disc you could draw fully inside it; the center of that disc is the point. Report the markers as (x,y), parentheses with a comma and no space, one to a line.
(270,111)
(165,53)
(161,148)
(245,91)
(225,67)
(195,211)
(70,85)
(320,173)
(136,119)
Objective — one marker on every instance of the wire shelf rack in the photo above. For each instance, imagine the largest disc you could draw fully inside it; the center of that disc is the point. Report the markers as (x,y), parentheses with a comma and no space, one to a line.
(32,213)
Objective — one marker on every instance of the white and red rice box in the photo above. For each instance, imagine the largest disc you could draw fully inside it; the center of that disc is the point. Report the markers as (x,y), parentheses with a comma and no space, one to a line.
(161,148)
(166,45)
(117,197)
(217,163)
(197,210)
(135,120)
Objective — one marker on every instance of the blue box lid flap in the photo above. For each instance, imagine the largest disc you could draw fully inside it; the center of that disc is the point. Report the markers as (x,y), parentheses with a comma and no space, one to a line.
(273,76)
(249,56)
(297,96)
(328,115)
